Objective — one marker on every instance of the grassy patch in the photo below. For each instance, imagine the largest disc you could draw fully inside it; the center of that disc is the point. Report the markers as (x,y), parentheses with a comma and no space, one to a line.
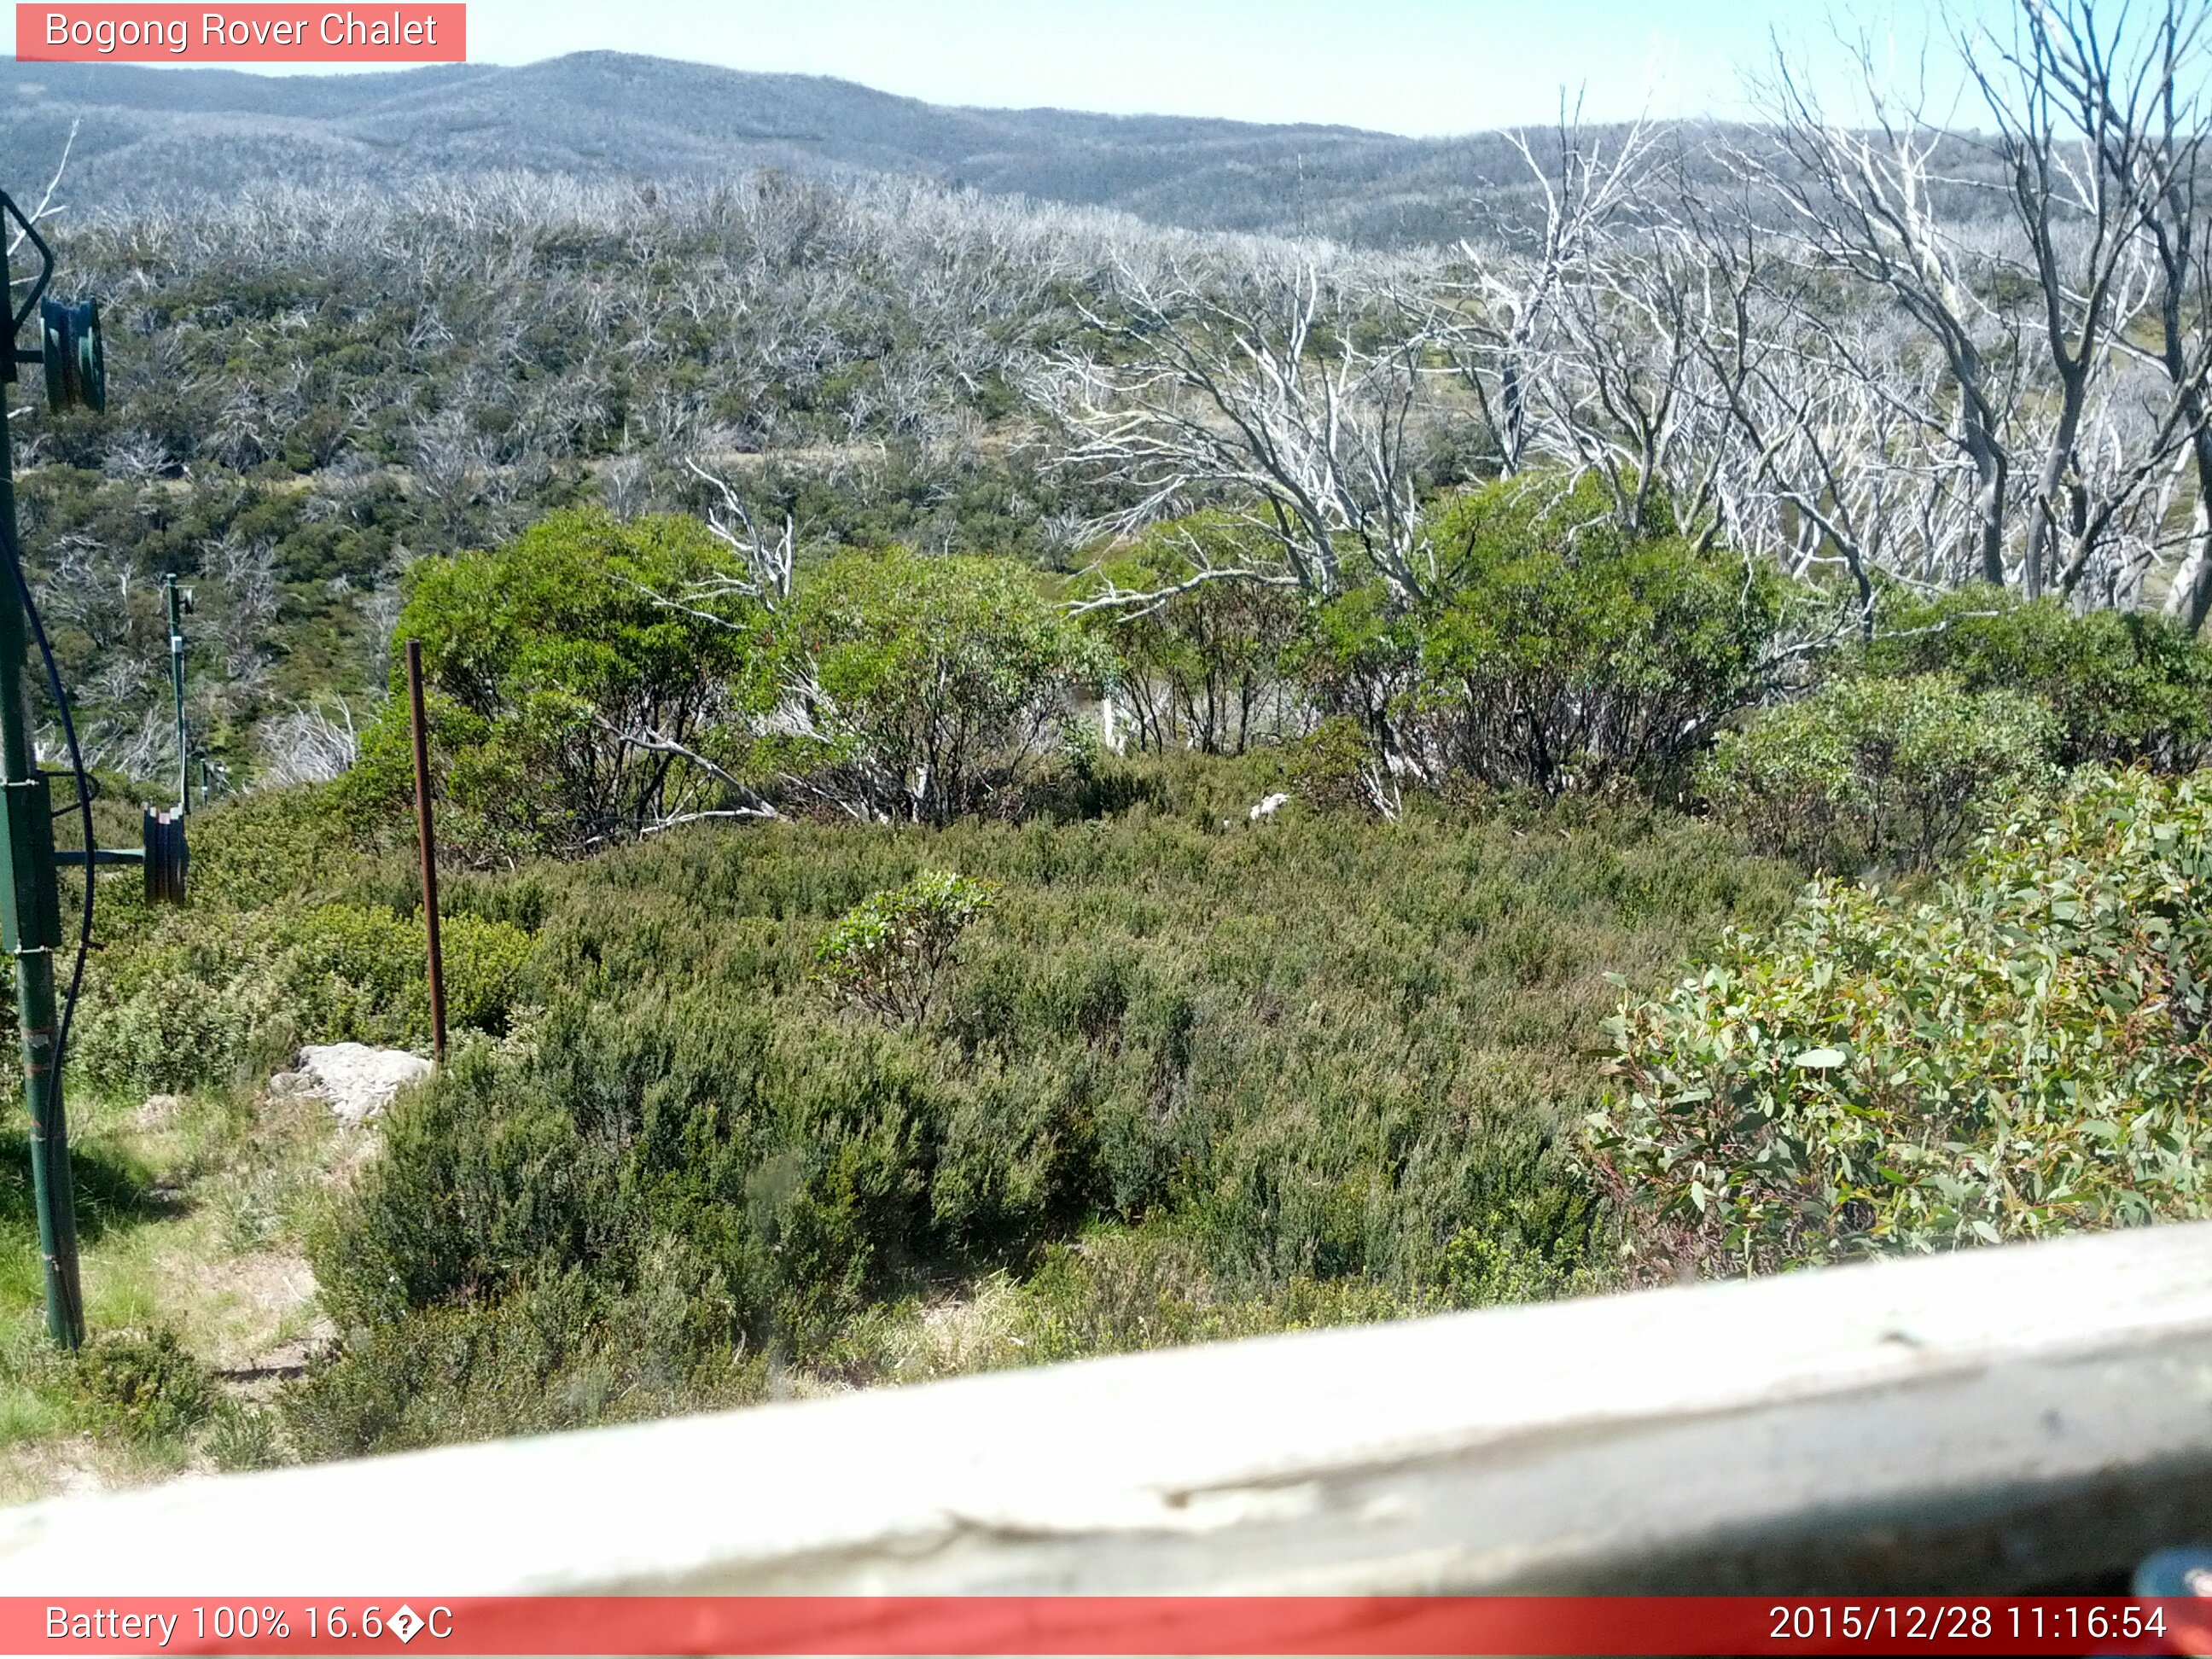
(192,1212)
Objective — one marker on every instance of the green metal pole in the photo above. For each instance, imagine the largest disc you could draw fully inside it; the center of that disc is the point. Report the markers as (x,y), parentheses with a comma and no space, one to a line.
(30,916)
(177,685)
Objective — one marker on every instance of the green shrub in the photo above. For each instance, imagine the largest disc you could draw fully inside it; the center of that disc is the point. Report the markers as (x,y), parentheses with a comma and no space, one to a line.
(1880,771)
(255,850)
(182,1006)
(1125,1290)
(1357,655)
(2023,1054)
(890,952)
(1570,653)
(354,972)
(1334,767)
(559,1354)
(1202,668)
(1330,1060)
(202,995)
(578,677)
(927,688)
(144,1384)
(2125,686)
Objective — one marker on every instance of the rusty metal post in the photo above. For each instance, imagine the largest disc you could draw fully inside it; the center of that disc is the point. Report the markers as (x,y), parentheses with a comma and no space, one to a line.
(428,839)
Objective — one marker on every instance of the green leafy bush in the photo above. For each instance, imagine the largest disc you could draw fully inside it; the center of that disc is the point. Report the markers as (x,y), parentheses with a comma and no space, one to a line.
(1569,653)
(1334,767)
(1202,668)
(1356,657)
(579,678)
(183,1006)
(262,849)
(890,952)
(926,688)
(2024,1053)
(204,995)
(2125,686)
(1884,771)
(1164,1027)
(554,1355)
(353,973)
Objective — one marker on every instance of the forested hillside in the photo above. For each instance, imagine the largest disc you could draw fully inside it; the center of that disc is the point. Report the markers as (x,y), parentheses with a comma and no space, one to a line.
(1017,782)
(150,135)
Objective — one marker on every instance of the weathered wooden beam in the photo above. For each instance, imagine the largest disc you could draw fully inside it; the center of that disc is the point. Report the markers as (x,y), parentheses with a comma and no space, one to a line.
(2030,1417)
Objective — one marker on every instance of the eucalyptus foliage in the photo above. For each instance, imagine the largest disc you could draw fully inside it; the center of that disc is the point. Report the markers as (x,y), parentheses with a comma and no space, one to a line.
(923,689)
(2122,686)
(1570,651)
(2022,1052)
(890,952)
(572,704)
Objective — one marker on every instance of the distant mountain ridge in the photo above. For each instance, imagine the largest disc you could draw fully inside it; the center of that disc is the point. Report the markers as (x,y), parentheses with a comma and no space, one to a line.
(151,132)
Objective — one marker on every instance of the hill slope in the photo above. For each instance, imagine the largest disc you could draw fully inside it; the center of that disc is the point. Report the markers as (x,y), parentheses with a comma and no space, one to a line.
(148,132)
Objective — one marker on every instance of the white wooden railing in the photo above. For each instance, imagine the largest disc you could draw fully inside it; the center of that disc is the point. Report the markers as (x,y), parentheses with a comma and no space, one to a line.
(2027,1417)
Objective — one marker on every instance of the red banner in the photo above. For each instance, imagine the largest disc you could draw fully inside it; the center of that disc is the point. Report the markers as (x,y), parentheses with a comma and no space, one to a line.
(260,34)
(1131,1624)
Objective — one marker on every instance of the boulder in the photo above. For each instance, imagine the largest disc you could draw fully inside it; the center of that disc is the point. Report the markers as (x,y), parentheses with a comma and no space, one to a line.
(359,1081)
(159,1111)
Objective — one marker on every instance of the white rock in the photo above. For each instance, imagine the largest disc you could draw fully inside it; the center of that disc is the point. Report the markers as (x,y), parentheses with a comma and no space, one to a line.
(1268,807)
(159,1111)
(358,1080)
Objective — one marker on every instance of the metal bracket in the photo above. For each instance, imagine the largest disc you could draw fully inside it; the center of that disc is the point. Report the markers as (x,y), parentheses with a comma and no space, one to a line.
(163,857)
(10,211)
(13,356)
(30,917)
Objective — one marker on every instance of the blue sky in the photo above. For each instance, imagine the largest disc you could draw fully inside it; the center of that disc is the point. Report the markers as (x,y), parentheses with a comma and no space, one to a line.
(1412,66)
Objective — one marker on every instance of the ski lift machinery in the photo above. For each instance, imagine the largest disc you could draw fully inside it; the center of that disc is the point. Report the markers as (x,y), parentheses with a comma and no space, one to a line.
(68,352)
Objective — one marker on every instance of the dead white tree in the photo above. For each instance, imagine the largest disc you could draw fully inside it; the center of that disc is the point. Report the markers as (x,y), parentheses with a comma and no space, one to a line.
(1501,313)
(1636,378)
(766,561)
(2137,80)
(2071,96)
(1291,395)
(46,207)
(308,744)
(1865,198)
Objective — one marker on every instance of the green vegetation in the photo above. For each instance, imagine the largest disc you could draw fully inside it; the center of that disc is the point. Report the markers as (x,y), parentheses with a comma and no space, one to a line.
(2020,1052)
(568,700)
(1169,1082)
(890,952)
(947,934)
(1868,771)
(1161,1044)
(1570,654)
(218,996)
(926,688)
(1206,669)
(2123,686)
(977,1042)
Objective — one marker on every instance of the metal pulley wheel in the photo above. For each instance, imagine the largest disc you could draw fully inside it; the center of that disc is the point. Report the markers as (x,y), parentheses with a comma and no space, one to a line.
(77,367)
(166,861)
